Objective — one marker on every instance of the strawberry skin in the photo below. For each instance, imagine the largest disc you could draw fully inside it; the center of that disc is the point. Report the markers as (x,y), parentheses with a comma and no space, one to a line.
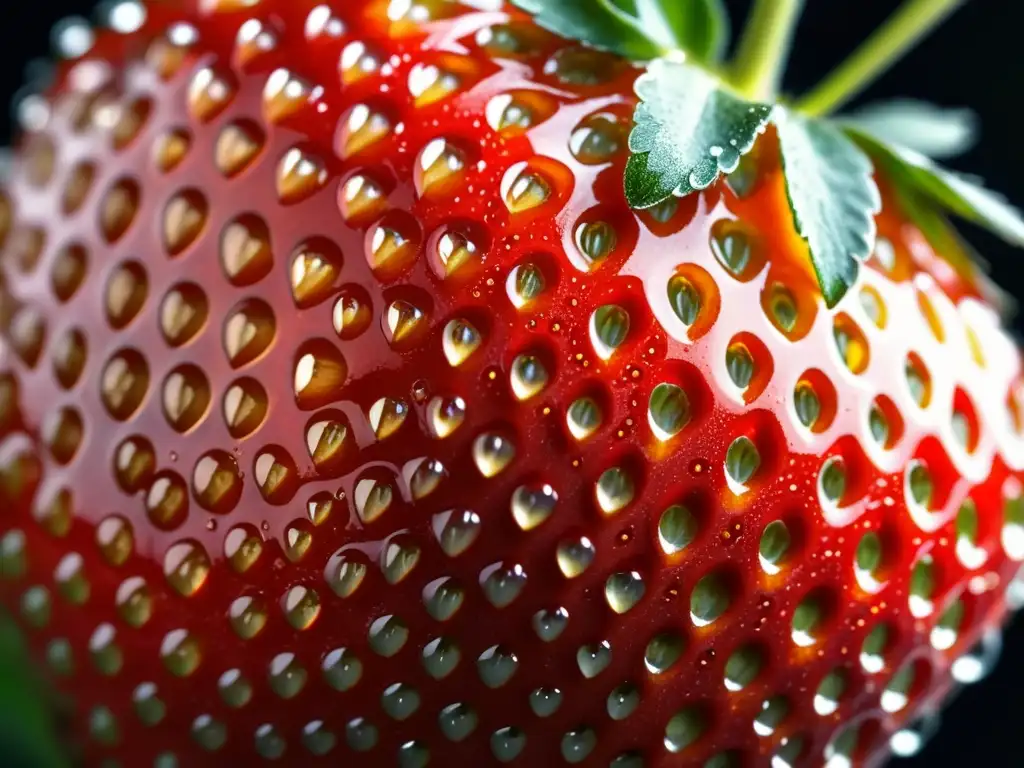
(348,413)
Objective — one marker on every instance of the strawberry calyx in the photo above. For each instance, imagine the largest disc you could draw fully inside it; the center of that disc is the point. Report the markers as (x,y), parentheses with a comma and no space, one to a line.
(698,117)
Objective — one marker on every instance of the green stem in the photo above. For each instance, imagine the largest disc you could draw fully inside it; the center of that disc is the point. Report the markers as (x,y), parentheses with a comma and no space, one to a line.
(764,49)
(904,29)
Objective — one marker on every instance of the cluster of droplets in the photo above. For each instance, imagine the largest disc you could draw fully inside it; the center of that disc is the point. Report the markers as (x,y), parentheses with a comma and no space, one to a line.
(187,355)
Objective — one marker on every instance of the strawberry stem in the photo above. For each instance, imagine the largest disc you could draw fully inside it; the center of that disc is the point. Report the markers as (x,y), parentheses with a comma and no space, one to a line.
(764,48)
(904,29)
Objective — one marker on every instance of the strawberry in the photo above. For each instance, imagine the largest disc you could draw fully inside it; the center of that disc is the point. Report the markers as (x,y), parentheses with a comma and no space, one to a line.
(354,408)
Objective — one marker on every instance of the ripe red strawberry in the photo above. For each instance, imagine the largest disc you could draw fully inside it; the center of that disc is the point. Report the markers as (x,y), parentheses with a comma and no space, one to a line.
(348,412)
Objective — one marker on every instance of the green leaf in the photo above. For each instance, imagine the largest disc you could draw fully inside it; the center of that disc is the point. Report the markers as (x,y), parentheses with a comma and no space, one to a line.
(933,131)
(962,195)
(599,23)
(640,30)
(27,729)
(688,131)
(699,27)
(833,197)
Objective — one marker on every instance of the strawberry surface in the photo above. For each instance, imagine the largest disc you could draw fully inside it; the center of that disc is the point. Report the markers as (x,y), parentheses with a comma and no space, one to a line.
(348,413)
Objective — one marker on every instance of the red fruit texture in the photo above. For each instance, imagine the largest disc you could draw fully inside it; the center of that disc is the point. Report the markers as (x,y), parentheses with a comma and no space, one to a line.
(349,416)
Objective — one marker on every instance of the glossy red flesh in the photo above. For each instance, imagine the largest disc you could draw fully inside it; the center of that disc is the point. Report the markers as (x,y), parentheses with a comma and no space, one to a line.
(685,469)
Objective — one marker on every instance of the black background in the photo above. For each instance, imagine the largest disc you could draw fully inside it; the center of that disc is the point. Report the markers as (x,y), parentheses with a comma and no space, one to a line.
(976,59)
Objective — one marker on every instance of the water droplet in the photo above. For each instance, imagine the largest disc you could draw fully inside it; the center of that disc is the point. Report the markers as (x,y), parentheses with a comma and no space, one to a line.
(524,189)
(184,217)
(614,490)
(575,555)
(624,590)
(773,712)
(593,659)
(387,635)
(677,528)
(460,341)
(496,665)
(774,546)
(743,667)
(440,657)
(533,505)
(301,607)
(598,139)
(400,701)
(684,728)
(502,583)
(342,669)
(709,600)
(185,397)
(742,461)
(238,145)
(545,701)
(492,454)
(315,267)
(668,411)
(549,624)
(286,675)
(186,566)
(525,283)
(457,721)
(583,418)
(595,240)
